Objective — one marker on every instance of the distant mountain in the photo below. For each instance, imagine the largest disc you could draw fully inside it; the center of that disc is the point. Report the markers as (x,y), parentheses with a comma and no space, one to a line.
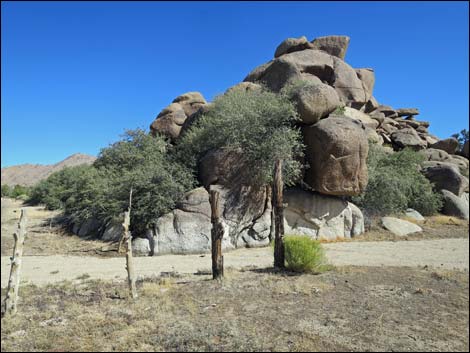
(30,174)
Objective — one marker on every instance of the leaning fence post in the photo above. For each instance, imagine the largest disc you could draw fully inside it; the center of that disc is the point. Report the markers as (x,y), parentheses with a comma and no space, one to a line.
(217,233)
(11,298)
(127,237)
(278,208)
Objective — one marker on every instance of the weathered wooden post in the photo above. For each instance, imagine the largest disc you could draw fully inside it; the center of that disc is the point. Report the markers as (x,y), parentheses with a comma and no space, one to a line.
(11,298)
(278,208)
(128,239)
(217,233)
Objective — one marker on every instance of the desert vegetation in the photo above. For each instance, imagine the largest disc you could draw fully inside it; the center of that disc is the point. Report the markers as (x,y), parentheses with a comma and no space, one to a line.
(259,124)
(396,184)
(16,192)
(138,161)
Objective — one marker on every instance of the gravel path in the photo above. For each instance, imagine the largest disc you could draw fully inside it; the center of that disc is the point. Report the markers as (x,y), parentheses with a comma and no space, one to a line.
(445,253)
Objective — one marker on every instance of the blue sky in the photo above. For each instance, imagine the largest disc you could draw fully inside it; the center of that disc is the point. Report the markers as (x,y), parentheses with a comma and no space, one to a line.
(76,74)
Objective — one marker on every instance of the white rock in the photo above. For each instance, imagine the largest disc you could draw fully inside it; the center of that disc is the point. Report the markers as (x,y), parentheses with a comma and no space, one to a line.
(321,216)
(140,247)
(413,214)
(400,227)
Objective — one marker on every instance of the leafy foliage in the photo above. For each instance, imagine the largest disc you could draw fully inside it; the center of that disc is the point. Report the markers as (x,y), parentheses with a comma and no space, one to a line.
(138,161)
(304,254)
(258,122)
(462,137)
(18,191)
(395,184)
(6,190)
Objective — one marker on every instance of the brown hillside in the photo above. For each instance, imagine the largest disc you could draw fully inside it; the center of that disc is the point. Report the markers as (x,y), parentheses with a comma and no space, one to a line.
(30,174)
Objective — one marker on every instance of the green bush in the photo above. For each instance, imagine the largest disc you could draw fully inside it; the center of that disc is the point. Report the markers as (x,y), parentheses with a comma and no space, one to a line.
(6,190)
(17,192)
(396,183)
(101,191)
(259,122)
(304,254)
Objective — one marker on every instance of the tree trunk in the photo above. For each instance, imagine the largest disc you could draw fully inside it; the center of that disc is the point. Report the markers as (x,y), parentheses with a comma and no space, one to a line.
(217,233)
(278,208)
(269,192)
(129,259)
(11,298)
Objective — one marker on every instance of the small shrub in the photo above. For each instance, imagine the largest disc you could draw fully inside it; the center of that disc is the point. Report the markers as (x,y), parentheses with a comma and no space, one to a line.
(304,254)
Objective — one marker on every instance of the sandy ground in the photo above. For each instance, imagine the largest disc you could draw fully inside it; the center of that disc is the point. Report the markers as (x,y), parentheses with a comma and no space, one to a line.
(51,255)
(445,254)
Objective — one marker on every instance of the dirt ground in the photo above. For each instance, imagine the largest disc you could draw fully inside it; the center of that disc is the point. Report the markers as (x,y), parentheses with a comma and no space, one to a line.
(383,294)
(47,238)
(346,309)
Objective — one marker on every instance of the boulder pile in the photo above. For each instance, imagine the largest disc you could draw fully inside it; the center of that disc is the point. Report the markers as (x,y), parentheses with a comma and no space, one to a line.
(339,116)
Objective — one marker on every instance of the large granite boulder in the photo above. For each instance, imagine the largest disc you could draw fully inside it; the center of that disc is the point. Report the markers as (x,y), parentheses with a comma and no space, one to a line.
(320,216)
(113,231)
(315,102)
(290,45)
(336,150)
(246,217)
(140,247)
(171,119)
(333,45)
(407,137)
(450,145)
(367,77)
(445,176)
(436,155)
(307,64)
(454,205)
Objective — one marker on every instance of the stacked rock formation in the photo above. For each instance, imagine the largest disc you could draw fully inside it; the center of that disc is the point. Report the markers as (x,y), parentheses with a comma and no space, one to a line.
(339,117)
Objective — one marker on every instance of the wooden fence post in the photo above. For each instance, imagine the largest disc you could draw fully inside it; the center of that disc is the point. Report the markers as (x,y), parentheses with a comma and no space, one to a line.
(278,208)
(11,298)
(129,260)
(217,233)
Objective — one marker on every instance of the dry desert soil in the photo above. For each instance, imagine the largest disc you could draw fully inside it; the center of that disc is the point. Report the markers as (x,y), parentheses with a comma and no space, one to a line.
(384,293)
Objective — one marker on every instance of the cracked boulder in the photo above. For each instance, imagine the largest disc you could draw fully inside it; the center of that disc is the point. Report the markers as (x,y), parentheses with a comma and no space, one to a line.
(245,215)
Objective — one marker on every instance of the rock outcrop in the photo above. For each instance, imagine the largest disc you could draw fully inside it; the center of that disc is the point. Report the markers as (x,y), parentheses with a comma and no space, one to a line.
(339,115)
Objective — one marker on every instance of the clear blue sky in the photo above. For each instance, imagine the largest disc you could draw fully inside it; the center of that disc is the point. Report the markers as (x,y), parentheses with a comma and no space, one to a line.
(76,74)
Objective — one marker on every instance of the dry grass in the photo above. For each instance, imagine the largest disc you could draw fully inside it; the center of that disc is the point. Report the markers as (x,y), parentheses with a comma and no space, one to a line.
(445,220)
(251,310)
